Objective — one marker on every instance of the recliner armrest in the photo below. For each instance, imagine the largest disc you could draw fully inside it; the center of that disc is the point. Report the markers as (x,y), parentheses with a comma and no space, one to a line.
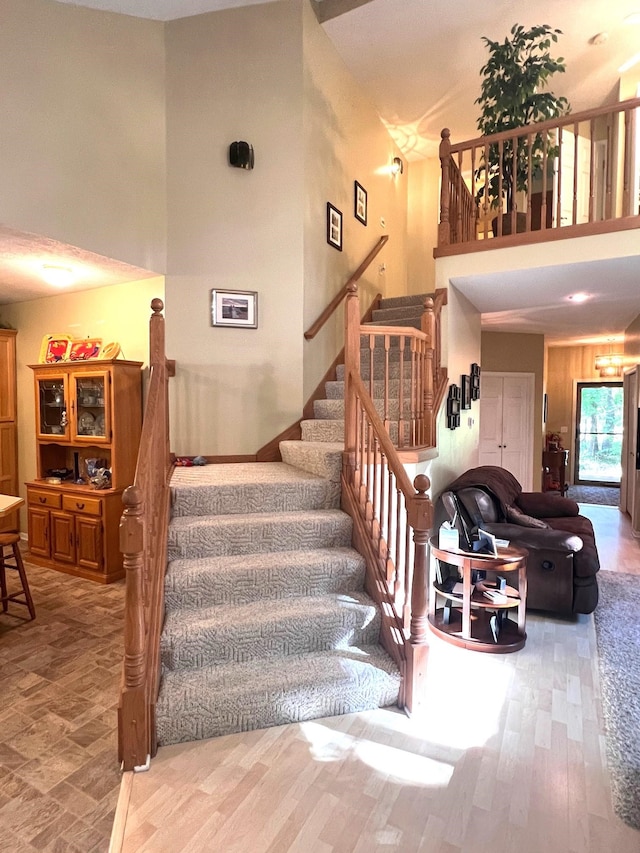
(533,538)
(542,505)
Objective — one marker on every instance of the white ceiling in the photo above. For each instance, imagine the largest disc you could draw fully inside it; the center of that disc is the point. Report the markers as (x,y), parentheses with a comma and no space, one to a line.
(418,61)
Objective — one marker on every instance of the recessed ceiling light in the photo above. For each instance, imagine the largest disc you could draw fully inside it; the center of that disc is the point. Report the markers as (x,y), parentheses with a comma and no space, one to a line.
(579,297)
(57,275)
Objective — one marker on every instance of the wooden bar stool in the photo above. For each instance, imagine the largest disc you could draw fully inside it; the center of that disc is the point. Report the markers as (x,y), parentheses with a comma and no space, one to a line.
(11,558)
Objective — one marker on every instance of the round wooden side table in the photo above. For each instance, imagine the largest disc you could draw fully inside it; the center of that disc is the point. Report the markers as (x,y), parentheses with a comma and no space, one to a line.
(467,617)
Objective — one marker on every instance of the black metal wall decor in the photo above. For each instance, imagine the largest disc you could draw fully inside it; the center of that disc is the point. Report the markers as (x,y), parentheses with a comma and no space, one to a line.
(453,407)
(475,381)
(465,386)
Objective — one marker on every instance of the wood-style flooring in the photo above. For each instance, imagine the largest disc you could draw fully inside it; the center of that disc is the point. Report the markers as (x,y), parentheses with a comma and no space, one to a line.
(59,678)
(508,758)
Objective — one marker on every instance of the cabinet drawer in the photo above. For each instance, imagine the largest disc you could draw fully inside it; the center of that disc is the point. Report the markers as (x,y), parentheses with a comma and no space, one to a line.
(39,497)
(78,503)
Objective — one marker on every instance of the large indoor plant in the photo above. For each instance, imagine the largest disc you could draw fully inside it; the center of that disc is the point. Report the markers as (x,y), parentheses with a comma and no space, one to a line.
(513,94)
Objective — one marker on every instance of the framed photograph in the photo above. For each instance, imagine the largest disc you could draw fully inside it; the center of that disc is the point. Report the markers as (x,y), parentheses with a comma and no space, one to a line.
(237,308)
(475,381)
(334,227)
(465,384)
(453,407)
(360,203)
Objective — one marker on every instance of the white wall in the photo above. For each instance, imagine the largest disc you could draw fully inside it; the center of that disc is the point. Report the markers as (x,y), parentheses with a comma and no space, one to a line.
(424,213)
(83,132)
(457,448)
(344,141)
(235,75)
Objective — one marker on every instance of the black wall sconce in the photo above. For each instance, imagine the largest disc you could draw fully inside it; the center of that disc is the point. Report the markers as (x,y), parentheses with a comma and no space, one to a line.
(453,407)
(475,381)
(241,155)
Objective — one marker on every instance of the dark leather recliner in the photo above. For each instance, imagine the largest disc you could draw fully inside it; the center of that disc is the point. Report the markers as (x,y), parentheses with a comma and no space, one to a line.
(563,559)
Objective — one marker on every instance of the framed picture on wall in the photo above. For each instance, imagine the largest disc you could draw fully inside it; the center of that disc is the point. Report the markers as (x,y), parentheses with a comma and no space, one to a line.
(465,388)
(334,227)
(359,202)
(237,308)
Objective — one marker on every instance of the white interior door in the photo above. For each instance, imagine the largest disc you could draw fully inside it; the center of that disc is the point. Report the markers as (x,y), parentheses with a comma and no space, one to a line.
(506,423)
(568,167)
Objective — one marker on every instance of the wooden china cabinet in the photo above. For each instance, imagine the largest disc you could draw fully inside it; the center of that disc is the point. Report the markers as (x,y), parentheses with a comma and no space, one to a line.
(88,419)
(8,428)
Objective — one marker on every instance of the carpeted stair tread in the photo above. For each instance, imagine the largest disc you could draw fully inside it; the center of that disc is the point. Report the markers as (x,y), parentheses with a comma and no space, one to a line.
(416,300)
(203,536)
(334,409)
(262,629)
(335,388)
(319,457)
(378,370)
(197,704)
(253,487)
(241,579)
(400,322)
(324,430)
(396,312)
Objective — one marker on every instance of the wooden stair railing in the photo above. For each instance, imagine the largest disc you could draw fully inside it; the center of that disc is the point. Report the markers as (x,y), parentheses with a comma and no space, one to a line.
(315,327)
(270,452)
(143,543)
(392,519)
(560,203)
(412,410)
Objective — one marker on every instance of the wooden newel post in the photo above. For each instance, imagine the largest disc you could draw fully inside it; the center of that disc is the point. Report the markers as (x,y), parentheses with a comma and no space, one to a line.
(420,519)
(444,227)
(428,326)
(133,718)
(132,548)
(352,365)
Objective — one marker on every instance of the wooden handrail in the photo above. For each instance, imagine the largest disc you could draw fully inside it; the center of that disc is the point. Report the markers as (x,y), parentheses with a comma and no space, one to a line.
(392,520)
(315,327)
(143,543)
(386,445)
(550,124)
(558,186)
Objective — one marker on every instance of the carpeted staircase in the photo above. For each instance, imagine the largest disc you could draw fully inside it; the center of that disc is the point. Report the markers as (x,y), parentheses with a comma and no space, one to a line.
(267,621)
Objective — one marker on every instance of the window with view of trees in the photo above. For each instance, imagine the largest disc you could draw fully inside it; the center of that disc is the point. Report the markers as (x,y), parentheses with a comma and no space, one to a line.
(599,433)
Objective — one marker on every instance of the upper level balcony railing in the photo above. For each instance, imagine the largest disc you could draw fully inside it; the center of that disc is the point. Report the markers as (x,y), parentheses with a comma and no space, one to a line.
(567,177)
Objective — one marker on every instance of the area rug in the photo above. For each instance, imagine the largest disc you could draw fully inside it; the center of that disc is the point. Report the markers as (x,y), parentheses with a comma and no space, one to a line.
(603,495)
(617,621)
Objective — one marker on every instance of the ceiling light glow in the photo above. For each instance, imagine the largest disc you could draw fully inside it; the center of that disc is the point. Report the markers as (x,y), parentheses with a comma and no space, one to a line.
(578,297)
(57,275)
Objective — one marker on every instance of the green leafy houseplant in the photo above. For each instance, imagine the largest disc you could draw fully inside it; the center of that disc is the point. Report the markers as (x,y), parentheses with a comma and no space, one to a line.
(513,95)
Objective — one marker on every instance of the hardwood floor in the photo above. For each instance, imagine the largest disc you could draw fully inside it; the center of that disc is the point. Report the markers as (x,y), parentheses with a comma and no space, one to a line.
(509,756)
(59,676)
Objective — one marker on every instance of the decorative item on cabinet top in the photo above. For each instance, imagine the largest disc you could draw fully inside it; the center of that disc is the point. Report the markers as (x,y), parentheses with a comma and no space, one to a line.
(63,348)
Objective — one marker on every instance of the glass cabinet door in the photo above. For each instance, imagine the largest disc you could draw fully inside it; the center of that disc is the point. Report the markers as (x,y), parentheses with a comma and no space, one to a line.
(91,410)
(52,417)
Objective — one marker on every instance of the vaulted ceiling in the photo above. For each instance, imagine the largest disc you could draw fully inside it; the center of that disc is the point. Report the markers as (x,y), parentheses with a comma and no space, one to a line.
(418,62)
